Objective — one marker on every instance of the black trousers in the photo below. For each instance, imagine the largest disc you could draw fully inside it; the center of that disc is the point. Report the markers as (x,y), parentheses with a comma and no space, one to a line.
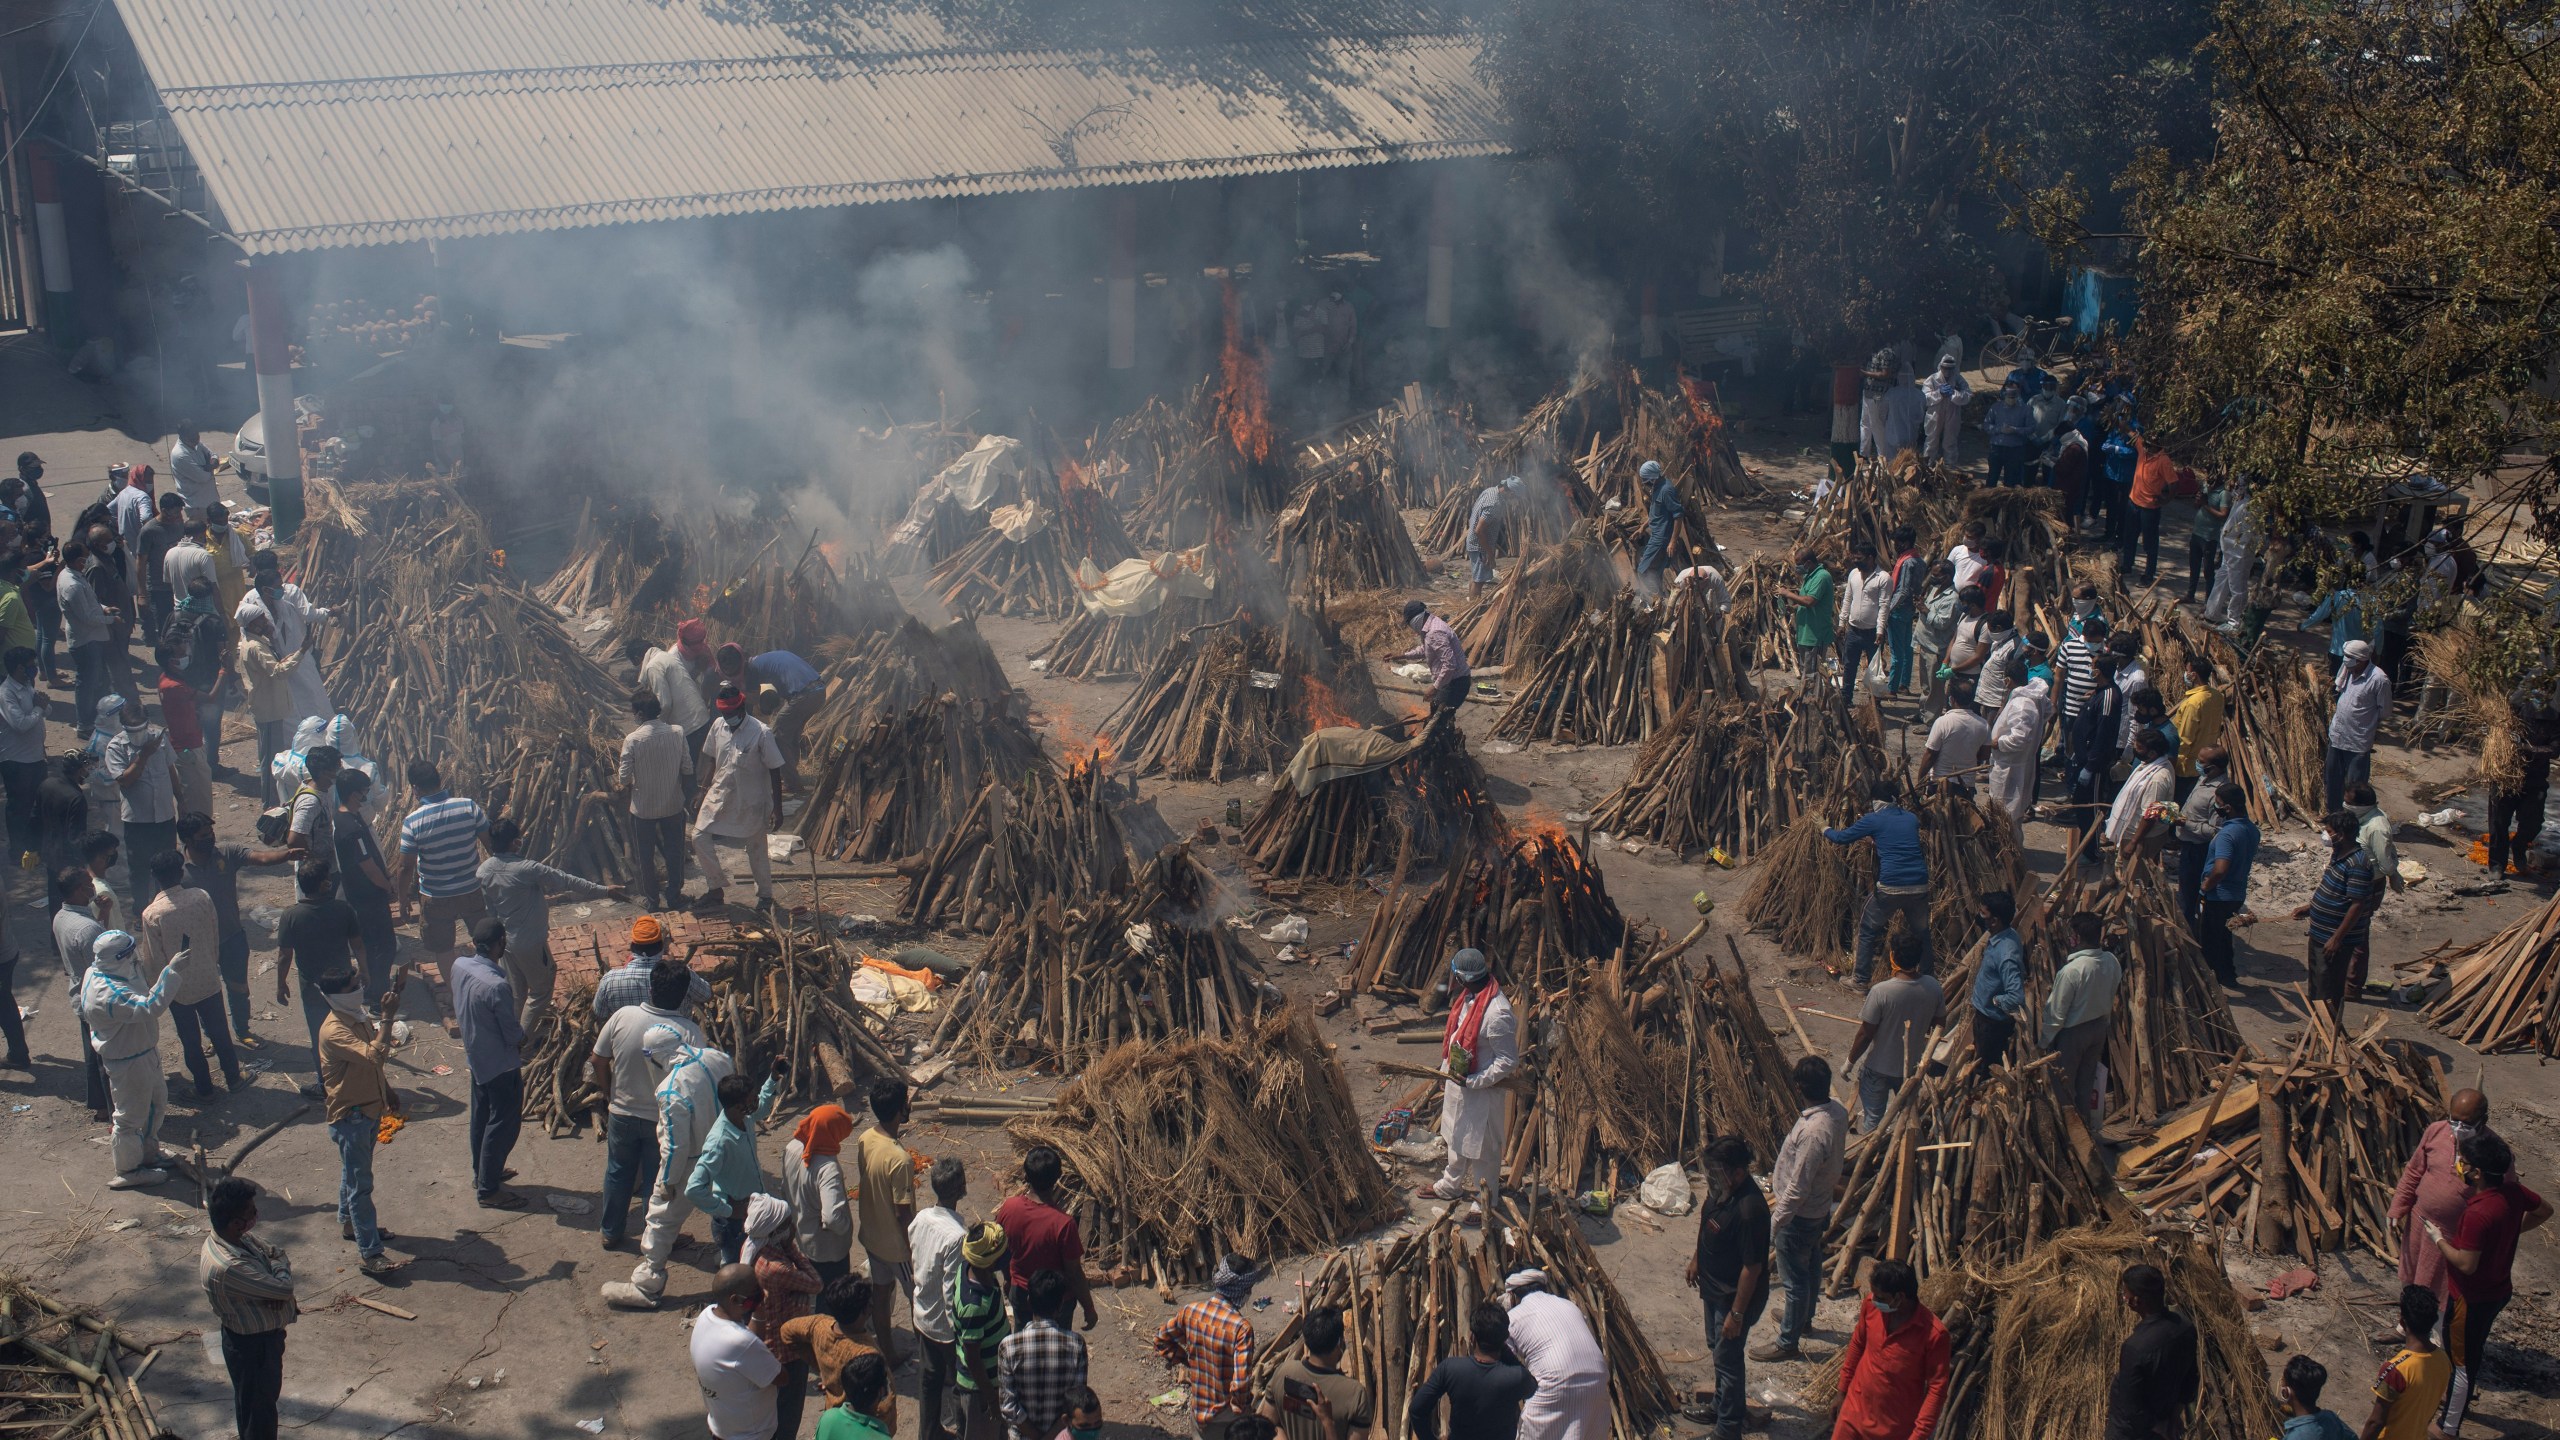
(497,1117)
(256,1363)
(2515,822)
(1451,693)
(11,1027)
(1991,1037)
(660,847)
(19,778)
(2213,932)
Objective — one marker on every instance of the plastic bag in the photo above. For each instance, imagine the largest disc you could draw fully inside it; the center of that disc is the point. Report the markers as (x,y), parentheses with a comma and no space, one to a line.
(1666,1191)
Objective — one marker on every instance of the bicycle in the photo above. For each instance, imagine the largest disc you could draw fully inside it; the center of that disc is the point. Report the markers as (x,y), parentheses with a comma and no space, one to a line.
(2040,338)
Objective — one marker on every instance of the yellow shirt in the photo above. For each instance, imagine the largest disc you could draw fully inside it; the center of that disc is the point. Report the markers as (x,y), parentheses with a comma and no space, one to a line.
(2410,1388)
(2198,721)
(888,1181)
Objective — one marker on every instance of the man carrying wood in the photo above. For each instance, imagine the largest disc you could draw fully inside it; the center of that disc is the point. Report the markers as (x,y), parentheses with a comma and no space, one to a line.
(1479,1050)
(1802,1187)
(742,800)
(2076,1016)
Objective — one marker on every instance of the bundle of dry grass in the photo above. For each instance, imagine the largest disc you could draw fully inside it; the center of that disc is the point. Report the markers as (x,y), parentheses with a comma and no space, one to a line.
(1179,1151)
(1406,1302)
(1237,696)
(1071,977)
(1027,565)
(2502,987)
(1416,811)
(2475,698)
(1048,833)
(1971,1168)
(2351,1109)
(1342,535)
(1538,905)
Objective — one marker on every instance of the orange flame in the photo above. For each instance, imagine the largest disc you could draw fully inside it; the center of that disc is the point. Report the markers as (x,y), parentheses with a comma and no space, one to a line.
(702,598)
(1095,754)
(1244,402)
(1322,708)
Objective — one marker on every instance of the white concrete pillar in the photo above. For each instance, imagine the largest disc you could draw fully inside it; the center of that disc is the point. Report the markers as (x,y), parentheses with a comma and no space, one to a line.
(1121,302)
(271,355)
(53,249)
(1440,282)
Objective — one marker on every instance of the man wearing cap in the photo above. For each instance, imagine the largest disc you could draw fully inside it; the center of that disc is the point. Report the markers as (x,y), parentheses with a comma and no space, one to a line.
(493,1045)
(1554,1343)
(124,1023)
(1212,1342)
(1441,651)
(744,797)
(1480,1047)
(678,676)
(1661,516)
(2364,698)
(1946,395)
(1482,538)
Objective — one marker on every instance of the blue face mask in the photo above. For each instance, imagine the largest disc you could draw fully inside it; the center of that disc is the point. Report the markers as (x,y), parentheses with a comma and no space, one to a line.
(1093,1434)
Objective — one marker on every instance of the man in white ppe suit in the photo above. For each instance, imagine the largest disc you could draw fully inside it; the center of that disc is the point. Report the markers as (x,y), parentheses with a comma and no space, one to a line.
(1555,1345)
(1945,395)
(124,1023)
(2017,738)
(688,1106)
(1479,1050)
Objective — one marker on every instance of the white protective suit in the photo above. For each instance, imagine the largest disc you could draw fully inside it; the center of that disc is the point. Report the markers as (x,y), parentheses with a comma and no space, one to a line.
(2017,737)
(1471,1109)
(688,1105)
(293,616)
(2239,552)
(1889,421)
(1555,1344)
(124,1023)
(1944,395)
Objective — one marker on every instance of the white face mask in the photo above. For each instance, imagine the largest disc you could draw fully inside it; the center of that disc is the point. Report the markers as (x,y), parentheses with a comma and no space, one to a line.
(2084,608)
(2462,1129)
(348,1006)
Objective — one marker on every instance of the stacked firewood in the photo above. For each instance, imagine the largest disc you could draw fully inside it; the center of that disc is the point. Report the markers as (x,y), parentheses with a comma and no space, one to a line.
(779,993)
(1068,979)
(1549,503)
(1219,465)
(2501,995)
(1050,832)
(449,660)
(887,673)
(766,584)
(1597,686)
(1972,1168)
(1238,695)
(1172,1146)
(1415,812)
(1520,621)
(1734,774)
(74,1372)
(2278,735)
(1342,535)
(1406,1303)
(1538,906)
(1417,447)
(1035,574)
(905,781)
(2351,1108)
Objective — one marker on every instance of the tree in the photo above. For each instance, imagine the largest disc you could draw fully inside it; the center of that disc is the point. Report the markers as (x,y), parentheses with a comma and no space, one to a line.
(1865,145)
(2364,279)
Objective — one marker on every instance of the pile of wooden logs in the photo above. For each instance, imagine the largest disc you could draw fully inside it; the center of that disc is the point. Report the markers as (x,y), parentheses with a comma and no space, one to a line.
(1237,696)
(1537,906)
(1971,1167)
(450,660)
(1415,812)
(905,781)
(1096,646)
(1050,832)
(2351,1109)
(779,992)
(2502,987)
(1036,573)
(764,583)
(1342,535)
(2278,734)
(1520,620)
(1734,773)
(1406,1302)
(1221,464)
(1598,685)
(1417,447)
(1068,979)
(885,674)
(71,1378)
(1184,1149)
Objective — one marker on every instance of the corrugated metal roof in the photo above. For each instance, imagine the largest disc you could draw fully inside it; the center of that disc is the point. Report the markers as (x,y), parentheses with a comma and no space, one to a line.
(322,123)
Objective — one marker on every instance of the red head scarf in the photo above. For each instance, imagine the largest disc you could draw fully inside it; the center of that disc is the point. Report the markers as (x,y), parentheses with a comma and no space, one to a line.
(824,1132)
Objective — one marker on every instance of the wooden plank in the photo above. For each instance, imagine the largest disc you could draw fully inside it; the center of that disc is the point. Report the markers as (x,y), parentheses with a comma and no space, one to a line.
(394,1311)
(2188,1123)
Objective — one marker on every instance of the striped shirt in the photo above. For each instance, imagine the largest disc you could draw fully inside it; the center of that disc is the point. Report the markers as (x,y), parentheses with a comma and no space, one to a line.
(2075,660)
(2347,883)
(250,1283)
(628,984)
(443,836)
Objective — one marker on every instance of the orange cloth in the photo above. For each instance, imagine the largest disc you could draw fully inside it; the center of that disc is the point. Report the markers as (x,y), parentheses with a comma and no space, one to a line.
(825,1131)
(926,978)
(2153,475)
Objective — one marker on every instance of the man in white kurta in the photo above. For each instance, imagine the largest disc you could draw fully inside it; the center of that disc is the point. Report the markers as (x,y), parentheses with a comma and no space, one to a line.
(1479,1050)
(745,795)
(294,617)
(1555,1345)
(2016,739)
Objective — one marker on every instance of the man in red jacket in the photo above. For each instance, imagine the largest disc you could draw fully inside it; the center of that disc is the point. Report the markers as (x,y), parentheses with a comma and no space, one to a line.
(1893,1381)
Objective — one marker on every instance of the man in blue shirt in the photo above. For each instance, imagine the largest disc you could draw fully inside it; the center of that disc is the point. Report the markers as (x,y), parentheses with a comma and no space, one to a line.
(1902,876)
(1662,512)
(1484,540)
(493,1046)
(2000,985)
(787,691)
(2227,861)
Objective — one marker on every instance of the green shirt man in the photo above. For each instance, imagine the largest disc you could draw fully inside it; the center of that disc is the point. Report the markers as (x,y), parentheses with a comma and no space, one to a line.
(1814,609)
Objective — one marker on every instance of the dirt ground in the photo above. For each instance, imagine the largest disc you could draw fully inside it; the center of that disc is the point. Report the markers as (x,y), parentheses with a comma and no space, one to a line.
(510,1339)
